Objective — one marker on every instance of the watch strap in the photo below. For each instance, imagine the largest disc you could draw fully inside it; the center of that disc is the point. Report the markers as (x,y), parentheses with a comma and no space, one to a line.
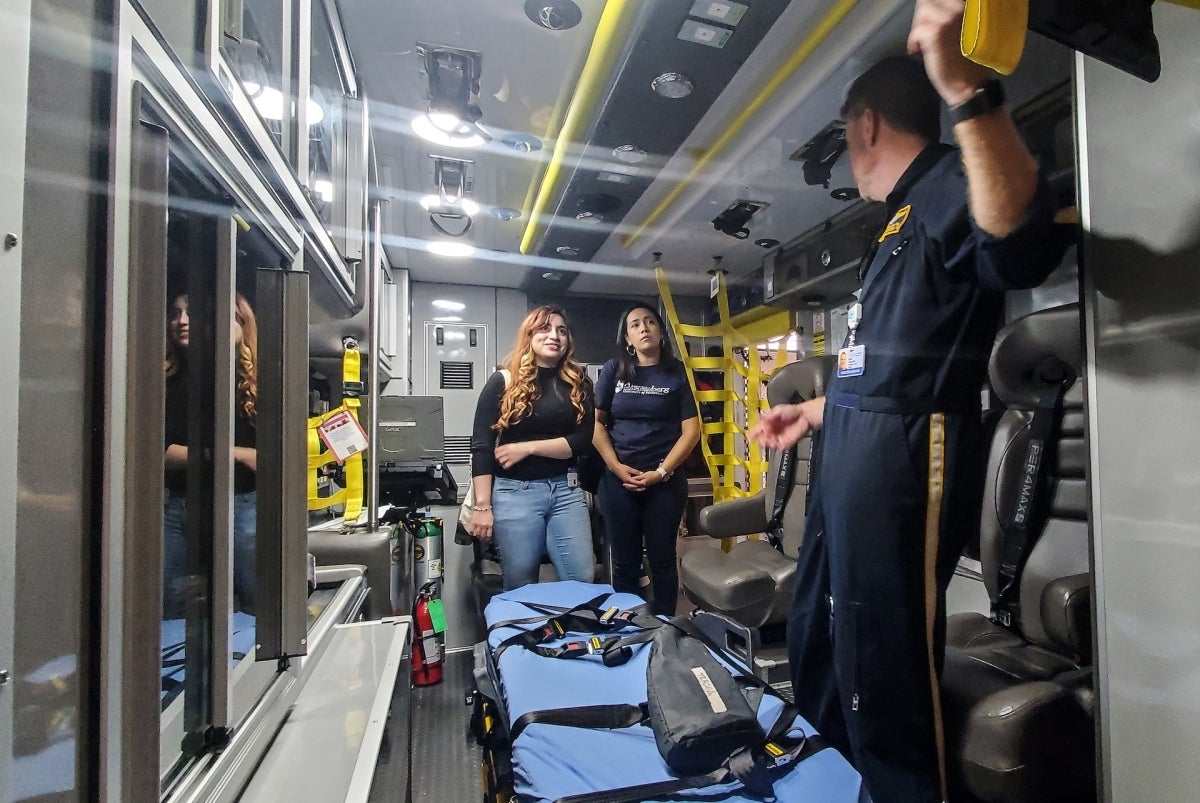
(987,98)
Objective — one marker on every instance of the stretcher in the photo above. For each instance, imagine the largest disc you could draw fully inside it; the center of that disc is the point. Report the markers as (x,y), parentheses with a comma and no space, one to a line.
(556,762)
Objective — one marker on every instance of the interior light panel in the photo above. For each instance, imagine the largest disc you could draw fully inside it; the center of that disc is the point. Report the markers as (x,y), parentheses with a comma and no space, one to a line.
(724,13)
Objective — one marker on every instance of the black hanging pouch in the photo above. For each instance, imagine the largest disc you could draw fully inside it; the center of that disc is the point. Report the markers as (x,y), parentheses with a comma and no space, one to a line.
(699,713)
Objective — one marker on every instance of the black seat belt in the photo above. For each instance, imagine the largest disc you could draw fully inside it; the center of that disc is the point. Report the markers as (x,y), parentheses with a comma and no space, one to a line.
(1022,527)
(783,491)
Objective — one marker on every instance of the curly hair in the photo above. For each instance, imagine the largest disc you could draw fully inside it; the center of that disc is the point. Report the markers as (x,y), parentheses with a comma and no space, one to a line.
(246,353)
(522,391)
(247,358)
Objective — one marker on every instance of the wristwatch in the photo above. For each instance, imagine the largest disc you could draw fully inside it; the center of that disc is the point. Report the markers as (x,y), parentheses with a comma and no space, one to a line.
(662,472)
(987,98)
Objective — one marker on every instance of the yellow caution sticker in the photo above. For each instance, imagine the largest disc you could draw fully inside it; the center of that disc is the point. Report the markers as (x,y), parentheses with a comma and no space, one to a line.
(774,750)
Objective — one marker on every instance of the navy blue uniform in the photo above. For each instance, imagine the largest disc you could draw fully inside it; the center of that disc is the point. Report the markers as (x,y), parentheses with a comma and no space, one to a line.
(897,485)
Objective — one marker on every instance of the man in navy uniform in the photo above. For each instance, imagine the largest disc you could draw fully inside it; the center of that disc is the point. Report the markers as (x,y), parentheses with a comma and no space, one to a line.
(896,486)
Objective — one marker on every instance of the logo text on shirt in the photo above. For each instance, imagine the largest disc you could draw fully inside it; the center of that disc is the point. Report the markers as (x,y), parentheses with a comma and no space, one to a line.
(641,390)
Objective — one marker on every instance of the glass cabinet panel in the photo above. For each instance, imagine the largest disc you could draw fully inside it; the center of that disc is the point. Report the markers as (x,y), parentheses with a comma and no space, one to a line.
(326,125)
(252,43)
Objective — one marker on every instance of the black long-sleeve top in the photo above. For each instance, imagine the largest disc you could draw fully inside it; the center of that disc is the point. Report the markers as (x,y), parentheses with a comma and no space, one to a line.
(553,416)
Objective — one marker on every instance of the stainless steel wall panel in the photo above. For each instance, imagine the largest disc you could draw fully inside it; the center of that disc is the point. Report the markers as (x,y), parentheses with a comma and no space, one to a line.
(55,435)
(14,68)
(1140,201)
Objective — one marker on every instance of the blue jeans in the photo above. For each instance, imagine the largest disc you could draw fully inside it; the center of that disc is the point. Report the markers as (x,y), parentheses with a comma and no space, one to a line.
(539,517)
(175,553)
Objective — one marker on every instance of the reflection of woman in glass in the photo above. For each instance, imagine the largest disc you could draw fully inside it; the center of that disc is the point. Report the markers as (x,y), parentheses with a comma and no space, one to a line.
(245,335)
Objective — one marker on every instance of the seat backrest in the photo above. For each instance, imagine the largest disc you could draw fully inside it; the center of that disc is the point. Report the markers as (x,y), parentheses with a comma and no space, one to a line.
(795,382)
(1050,615)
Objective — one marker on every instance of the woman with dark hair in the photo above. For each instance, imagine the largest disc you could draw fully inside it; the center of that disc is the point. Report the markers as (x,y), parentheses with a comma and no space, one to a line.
(646,426)
(534,416)
(245,454)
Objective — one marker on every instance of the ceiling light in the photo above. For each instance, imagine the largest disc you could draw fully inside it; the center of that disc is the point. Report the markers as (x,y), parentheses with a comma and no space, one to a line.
(464,135)
(323,187)
(551,276)
(269,102)
(813,300)
(435,204)
(766,242)
(453,116)
(844,194)
(629,154)
(672,85)
(567,251)
(523,143)
(590,218)
(449,248)
(448,305)
(506,213)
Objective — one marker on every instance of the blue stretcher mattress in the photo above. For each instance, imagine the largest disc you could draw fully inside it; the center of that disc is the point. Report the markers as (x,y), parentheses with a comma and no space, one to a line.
(552,761)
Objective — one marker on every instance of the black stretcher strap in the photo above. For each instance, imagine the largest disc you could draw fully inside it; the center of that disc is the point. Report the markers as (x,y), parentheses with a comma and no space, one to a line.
(612,717)
(587,617)
(665,789)
(1022,527)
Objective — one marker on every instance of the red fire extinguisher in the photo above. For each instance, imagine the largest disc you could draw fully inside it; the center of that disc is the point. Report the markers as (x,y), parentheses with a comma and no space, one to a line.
(427,638)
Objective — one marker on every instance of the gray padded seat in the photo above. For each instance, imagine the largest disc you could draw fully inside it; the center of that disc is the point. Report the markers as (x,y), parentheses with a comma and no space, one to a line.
(753,583)
(1019,702)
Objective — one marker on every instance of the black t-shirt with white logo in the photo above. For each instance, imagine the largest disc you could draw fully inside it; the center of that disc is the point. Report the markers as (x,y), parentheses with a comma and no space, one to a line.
(644,415)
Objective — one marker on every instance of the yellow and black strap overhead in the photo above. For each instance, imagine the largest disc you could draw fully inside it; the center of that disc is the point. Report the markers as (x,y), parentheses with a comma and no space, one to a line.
(351,496)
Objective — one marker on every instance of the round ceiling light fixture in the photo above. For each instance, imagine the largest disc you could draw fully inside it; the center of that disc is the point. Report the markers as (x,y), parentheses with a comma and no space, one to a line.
(629,154)
(448,130)
(522,143)
(553,15)
(673,85)
(506,213)
(449,248)
(766,242)
(435,205)
(813,299)
(844,194)
(590,218)
(569,251)
(551,276)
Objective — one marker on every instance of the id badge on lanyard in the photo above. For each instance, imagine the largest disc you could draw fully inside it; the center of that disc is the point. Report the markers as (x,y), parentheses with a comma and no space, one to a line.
(852,360)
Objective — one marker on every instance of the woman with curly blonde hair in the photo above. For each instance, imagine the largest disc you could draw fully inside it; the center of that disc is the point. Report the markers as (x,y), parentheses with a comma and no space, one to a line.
(534,417)
(245,453)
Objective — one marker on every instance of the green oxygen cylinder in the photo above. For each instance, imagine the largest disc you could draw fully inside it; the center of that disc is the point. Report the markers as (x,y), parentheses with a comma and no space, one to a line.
(427,552)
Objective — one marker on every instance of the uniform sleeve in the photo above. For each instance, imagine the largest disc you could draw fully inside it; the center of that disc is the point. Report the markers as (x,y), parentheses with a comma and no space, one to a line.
(483,437)
(604,386)
(580,439)
(1021,259)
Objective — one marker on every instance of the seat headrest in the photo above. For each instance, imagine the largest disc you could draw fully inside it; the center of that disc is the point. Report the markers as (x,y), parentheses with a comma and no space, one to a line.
(1024,346)
(799,381)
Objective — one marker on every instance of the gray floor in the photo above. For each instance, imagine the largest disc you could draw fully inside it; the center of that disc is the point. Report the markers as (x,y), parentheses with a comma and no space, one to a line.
(445,760)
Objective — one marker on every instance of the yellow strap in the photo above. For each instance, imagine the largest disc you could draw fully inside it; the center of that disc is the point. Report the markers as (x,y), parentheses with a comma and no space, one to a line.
(351,367)
(352,495)
(993,33)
